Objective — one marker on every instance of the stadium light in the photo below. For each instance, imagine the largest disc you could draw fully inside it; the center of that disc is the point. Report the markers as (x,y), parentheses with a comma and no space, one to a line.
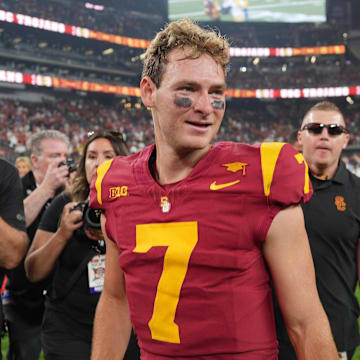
(350,100)
(108,51)
(94,6)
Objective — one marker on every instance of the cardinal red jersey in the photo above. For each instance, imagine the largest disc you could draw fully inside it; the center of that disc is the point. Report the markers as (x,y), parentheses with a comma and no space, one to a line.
(196,279)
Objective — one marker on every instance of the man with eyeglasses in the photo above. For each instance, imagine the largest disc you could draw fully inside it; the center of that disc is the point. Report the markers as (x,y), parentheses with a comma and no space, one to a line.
(332,219)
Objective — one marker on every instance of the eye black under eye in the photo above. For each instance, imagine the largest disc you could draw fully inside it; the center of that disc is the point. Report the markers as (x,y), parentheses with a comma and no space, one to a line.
(182,102)
(218,104)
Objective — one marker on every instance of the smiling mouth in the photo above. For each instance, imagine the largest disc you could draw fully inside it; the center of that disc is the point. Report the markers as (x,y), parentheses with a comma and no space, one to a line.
(323,149)
(202,125)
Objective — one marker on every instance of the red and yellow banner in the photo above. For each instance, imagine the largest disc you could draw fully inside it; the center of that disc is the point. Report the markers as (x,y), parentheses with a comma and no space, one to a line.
(49,25)
(55,82)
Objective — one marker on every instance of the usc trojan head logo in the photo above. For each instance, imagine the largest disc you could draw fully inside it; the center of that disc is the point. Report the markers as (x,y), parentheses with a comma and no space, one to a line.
(165,204)
(340,203)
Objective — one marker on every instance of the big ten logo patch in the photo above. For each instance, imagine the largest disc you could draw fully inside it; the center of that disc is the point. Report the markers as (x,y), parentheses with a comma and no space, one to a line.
(340,203)
(118,191)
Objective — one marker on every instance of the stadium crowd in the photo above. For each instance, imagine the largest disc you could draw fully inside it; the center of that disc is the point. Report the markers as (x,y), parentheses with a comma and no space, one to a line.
(245,121)
(64,57)
(109,20)
(72,58)
(281,35)
(121,66)
(137,20)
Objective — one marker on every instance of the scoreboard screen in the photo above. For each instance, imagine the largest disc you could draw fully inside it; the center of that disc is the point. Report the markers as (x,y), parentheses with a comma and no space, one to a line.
(277,11)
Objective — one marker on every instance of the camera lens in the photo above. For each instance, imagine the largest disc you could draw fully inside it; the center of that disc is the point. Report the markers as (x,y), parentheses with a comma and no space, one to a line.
(92,218)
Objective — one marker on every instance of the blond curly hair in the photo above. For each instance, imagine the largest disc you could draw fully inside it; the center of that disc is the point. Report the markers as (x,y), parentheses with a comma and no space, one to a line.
(180,34)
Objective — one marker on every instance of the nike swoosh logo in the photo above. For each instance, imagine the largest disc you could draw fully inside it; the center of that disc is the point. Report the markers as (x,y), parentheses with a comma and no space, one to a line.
(215,186)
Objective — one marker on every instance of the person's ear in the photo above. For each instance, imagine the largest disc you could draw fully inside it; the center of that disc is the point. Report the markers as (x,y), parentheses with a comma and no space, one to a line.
(147,90)
(299,137)
(34,161)
(347,138)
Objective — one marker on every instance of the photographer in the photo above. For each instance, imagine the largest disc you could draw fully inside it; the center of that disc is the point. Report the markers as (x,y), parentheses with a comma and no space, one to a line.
(65,247)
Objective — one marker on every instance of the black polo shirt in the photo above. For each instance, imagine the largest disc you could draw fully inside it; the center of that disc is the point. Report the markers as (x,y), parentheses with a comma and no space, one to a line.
(12,208)
(21,291)
(332,220)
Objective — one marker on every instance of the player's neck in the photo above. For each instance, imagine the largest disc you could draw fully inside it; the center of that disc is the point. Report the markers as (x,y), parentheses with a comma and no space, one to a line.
(172,167)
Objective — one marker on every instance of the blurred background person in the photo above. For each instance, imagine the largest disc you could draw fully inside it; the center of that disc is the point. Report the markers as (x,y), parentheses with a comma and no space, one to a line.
(23,164)
(24,301)
(352,163)
(356,163)
(293,140)
(72,248)
(13,239)
(332,220)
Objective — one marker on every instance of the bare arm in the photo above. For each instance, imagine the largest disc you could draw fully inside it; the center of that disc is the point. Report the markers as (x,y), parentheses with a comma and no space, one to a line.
(47,246)
(13,244)
(112,321)
(55,178)
(288,255)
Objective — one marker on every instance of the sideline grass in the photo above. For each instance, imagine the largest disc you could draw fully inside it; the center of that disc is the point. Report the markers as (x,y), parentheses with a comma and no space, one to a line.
(357,353)
(4,346)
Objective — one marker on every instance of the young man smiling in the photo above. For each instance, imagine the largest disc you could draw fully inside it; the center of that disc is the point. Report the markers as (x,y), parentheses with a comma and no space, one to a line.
(193,225)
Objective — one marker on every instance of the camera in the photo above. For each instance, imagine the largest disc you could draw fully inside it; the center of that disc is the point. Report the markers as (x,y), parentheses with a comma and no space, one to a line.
(90,217)
(70,163)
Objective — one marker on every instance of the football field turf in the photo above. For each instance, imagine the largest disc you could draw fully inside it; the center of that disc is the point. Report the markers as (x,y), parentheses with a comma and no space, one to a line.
(258,10)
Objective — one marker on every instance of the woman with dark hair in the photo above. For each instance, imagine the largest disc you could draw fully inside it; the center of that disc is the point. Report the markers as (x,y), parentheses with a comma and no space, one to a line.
(69,246)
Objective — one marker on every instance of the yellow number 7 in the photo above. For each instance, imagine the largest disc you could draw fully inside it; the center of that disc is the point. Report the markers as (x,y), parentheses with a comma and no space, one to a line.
(180,239)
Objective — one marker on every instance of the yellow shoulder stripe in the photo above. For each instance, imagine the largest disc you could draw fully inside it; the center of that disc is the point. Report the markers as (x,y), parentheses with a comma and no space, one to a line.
(300,159)
(269,153)
(101,172)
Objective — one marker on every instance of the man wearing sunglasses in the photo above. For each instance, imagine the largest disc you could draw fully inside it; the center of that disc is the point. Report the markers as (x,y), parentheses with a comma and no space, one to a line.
(332,219)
